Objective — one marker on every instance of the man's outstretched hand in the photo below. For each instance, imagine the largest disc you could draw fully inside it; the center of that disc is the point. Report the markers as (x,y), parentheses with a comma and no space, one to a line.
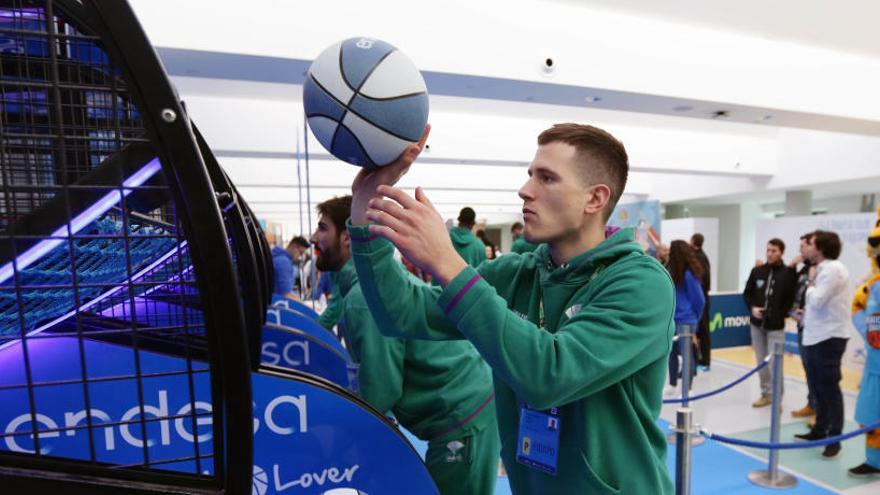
(363,189)
(415,227)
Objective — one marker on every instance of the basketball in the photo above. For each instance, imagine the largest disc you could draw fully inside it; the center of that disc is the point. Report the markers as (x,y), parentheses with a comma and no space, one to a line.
(365,101)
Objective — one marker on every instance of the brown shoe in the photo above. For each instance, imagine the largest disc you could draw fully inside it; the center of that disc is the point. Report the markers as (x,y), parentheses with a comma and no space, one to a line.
(762,401)
(803,412)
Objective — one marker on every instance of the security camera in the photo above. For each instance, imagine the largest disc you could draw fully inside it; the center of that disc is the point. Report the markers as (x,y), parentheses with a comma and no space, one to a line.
(548,65)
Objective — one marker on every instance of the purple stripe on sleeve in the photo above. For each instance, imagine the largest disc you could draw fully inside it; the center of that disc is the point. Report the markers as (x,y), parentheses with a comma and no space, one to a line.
(461,294)
(466,420)
(372,237)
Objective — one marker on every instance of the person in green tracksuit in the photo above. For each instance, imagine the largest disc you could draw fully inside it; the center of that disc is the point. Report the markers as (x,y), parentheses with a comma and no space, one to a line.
(466,244)
(577,333)
(520,244)
(441,392)
(331,314)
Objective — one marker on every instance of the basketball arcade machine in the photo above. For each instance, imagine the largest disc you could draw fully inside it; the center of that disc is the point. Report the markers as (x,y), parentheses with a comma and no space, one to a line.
(134,283)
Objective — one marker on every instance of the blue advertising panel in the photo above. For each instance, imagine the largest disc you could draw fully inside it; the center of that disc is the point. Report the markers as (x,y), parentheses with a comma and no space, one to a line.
(288,318)
(309,436)
(283,302)
(729,320)
(293,349)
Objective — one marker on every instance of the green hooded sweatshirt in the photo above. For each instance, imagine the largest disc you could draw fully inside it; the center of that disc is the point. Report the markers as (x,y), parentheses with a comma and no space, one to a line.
(468,246)
(346,277)
(433,388)
(600,357)
(521,245)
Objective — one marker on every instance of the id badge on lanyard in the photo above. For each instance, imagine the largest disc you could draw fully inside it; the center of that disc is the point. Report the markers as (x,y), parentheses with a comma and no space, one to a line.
(538,439)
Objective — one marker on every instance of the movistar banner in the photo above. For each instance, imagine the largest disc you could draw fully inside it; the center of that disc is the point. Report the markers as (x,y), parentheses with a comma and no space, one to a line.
(309,437)
(729,320)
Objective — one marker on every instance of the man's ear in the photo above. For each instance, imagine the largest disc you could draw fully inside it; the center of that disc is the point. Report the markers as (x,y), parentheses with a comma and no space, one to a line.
(345,239)
(597,199)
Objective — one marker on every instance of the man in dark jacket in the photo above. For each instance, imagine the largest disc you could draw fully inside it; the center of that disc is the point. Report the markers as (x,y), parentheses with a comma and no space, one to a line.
(769,294)
(797,312)
(704,338)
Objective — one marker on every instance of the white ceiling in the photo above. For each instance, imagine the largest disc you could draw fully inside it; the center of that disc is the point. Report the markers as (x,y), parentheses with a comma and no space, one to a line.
(845,25)
(674,158)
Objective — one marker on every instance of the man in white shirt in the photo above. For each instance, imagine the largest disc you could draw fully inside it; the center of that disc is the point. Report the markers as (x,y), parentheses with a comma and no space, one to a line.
(826,329)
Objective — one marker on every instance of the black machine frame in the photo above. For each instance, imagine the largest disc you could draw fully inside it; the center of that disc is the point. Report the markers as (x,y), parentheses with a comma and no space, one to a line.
(232,328)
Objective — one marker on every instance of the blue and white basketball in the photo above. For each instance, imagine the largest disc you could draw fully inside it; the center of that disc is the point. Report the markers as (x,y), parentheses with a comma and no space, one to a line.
(365,101)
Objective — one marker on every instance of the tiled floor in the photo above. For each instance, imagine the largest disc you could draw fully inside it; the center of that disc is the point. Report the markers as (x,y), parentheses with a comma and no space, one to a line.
(731,414)
(721,469)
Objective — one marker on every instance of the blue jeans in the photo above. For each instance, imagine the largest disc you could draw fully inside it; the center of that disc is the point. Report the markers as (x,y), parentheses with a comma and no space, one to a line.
(800,334)
(823,377)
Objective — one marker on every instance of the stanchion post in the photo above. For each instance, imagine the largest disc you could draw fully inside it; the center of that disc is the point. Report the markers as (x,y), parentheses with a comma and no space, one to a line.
(772,478)
(684,425)
(685,341)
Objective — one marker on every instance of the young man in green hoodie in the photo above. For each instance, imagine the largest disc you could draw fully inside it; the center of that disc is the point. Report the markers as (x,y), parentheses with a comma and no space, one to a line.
(440,391)
(577,333)
(466,244)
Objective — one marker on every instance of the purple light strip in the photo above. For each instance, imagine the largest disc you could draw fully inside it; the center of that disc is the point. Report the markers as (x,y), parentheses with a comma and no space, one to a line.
(109,293)
(79,222)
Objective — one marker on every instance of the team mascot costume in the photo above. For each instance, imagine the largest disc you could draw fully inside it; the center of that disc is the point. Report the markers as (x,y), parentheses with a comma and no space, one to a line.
(866,317)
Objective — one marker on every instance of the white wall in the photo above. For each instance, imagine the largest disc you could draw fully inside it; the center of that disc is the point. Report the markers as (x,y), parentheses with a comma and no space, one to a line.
(728,243)
(684,228)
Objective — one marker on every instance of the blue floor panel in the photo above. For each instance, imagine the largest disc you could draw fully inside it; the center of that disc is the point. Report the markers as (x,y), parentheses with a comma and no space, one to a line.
(717,469)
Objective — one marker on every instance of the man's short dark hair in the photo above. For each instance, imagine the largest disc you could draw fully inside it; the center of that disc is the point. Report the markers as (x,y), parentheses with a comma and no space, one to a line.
(467,217)
(778,243)
(516,226)
(828,243)
(337,209)
(604,156)
(697,240)
(298,241)
(807,236)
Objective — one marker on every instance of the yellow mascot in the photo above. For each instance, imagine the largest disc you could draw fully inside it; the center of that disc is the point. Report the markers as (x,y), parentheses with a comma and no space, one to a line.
(866,317)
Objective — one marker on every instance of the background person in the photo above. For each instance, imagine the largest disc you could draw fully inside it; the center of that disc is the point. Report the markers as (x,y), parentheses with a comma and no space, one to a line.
(491,250)
(298,249)
(439,391)
(802,276)
(769,294)
(704,337)
(463,239)
(520,244)
(689,302)
(827,324)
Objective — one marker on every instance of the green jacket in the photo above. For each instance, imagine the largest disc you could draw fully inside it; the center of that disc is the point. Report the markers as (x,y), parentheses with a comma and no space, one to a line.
(346,277)
(601,357)
(521,245)
(468,246)
(432,388)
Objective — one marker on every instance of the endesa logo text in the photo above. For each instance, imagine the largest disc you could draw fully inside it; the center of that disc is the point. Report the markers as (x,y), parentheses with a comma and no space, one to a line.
(283,415)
